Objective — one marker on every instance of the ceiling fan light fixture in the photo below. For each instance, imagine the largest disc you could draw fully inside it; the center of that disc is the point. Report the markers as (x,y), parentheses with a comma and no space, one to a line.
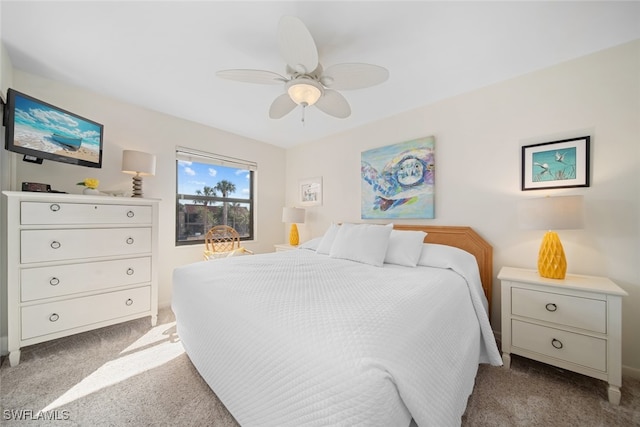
(304,91)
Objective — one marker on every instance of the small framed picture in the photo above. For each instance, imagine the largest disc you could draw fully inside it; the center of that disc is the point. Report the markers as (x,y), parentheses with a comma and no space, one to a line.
(310,191)
(556,164)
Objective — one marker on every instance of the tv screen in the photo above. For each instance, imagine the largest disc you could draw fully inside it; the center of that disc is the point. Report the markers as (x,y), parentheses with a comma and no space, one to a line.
(42,131)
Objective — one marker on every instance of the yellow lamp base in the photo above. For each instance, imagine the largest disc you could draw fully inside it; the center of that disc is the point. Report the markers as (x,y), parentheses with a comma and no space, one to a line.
(552,263)
(294,238)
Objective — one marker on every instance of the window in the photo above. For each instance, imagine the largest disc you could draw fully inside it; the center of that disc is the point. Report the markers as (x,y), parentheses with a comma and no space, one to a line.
(212,190)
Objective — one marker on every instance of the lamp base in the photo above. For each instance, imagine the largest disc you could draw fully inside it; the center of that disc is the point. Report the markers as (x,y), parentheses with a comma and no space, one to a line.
(552,263)
(294,238)
(137,186)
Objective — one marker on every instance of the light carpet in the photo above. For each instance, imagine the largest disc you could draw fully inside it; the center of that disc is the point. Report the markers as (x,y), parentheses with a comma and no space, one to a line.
(132,374)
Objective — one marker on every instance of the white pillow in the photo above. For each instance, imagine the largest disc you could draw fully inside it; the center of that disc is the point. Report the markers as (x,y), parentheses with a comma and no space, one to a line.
(327,240)
(443,256)
(405,247)
(311,244)
(366,243)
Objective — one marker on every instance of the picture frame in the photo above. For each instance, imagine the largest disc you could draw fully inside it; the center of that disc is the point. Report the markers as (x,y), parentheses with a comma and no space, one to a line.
(556,164)
(310,191)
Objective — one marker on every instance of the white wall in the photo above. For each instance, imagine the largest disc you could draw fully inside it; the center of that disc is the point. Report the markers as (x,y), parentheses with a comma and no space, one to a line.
(130,127)
(6,79)
(478,146)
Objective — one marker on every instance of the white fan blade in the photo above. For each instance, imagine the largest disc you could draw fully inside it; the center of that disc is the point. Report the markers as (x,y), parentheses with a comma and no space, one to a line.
(281,106)
(334,104)
(353,76)
(253,76)
(297,45)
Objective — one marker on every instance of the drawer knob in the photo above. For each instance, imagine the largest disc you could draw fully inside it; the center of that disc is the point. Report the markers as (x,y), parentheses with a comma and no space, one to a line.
(55,244)
(556,343)
(54,281)
(129,271)
(54,207)
(129,240)
(130,214)
(129,302)
(551,307)
(54,317)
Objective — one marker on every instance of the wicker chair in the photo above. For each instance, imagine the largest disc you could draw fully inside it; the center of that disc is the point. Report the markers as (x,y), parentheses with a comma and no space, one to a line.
(223,241)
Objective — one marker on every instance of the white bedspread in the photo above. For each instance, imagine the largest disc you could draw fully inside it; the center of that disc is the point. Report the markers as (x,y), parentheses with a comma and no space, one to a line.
(295,339)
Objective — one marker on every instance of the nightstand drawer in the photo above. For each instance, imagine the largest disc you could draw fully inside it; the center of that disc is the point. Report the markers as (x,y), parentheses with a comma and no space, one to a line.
(584,313)
(571,347)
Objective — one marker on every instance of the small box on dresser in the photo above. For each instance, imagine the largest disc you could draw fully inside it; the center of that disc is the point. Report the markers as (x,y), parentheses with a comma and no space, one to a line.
(76,263)
(573,323)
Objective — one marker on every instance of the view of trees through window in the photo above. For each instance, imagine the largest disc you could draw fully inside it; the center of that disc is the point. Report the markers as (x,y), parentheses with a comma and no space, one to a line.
(210,195)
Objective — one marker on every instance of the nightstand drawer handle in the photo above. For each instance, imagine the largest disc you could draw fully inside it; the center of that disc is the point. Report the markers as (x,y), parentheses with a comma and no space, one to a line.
(551,307)
(54,281)
(129,240)
(54,317)
(54,207)
(55,244)
(556,343)
(130,214)
(130,271)
(129,302)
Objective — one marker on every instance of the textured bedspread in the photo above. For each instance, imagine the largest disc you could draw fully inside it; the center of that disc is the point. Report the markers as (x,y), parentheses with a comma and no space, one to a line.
(294,338)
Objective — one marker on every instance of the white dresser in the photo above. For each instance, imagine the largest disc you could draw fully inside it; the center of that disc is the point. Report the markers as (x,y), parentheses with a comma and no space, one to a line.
(574,323)
(76,263)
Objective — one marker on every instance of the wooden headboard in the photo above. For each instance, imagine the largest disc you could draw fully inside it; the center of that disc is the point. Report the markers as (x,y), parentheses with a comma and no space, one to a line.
(464,238)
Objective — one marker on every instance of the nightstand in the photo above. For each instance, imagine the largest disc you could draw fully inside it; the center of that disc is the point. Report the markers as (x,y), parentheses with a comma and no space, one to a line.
(573,323)
(284,247)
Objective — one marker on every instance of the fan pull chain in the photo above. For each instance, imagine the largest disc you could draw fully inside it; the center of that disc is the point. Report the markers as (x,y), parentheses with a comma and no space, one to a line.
(304,107)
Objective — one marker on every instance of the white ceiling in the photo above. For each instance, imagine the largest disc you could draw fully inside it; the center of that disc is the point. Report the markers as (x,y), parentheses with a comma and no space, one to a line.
(164,55)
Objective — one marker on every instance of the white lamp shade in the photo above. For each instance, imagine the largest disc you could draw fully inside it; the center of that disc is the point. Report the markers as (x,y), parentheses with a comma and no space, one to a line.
(552,213)
(138,162)
(304,91)
(293,215)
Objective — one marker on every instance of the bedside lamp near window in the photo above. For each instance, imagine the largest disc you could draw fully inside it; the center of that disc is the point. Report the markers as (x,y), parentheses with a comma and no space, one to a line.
(138,163)
(293,215)
(552,213)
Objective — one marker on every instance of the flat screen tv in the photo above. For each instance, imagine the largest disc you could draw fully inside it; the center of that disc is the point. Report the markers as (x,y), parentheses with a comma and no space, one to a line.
(42,131)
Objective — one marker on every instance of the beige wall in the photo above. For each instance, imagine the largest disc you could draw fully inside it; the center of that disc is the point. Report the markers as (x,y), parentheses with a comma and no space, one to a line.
(130,127)
(478,140)
(478,146)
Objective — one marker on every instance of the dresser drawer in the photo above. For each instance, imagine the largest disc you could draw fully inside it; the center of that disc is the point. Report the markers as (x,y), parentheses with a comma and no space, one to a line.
(59,316)
(70,244)
(54,213)
(568,346)
(61,280)
(577,312)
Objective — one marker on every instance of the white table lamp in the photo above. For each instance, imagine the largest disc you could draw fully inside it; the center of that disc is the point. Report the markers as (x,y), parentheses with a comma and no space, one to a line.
(139,164)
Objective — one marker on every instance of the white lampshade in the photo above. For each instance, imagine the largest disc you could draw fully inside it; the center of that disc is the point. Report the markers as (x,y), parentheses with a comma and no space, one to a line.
(551,213)
(138,163)
(293,215)
(304,91)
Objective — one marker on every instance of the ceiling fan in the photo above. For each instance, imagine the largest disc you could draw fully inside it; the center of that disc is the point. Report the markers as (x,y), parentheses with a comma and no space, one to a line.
(307,83)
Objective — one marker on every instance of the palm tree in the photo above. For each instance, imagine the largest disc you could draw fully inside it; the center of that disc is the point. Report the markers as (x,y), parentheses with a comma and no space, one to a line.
(225,187)
(208,192)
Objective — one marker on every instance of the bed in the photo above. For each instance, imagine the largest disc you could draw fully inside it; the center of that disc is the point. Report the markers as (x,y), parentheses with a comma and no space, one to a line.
(327,335)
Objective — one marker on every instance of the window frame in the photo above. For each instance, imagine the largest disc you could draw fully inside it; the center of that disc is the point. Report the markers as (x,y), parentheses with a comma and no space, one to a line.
(186,154)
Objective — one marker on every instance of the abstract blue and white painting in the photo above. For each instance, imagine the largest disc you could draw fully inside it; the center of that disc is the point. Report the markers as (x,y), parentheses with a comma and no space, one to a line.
(398,180)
